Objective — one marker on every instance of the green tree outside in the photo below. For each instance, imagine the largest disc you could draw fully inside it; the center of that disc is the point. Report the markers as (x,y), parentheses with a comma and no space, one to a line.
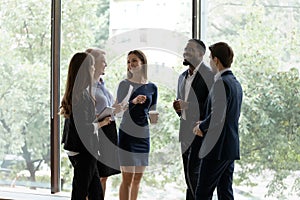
(266,58)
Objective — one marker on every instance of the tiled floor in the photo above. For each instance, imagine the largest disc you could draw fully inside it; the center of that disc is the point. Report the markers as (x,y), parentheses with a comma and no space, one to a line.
(146,193)
(26,194)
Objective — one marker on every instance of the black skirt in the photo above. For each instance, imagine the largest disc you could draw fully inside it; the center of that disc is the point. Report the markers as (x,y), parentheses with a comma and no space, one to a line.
(108,162)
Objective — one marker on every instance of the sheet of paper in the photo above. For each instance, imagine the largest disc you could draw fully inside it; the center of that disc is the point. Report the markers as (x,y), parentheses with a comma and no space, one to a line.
(107,111)
(125,101)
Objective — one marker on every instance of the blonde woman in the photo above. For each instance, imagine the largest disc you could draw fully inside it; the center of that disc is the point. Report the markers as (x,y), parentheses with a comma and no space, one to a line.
(108,163)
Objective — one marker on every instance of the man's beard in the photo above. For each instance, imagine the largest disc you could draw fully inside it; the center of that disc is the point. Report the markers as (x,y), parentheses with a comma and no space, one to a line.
(188,63)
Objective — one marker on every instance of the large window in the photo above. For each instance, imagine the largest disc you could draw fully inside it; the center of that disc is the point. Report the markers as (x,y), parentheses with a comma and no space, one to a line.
(160,29)
(262,33)
(25,68)
(24,93)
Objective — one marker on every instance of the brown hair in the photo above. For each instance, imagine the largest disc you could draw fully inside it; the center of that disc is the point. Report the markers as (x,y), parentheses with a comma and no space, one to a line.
(223,52)
(80,65)
(143,58)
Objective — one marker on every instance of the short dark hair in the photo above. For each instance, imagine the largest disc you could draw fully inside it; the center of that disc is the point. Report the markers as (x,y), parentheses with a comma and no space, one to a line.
(201,44)
(223,52)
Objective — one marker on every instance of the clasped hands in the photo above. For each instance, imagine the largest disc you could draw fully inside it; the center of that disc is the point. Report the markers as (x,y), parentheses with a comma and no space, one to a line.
(197,130)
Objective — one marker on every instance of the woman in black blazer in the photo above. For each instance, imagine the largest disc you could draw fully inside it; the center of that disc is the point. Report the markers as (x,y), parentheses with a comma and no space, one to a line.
(80,136)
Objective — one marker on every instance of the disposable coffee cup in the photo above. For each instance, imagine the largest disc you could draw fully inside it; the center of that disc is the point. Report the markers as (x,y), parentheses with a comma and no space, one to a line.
(153,115)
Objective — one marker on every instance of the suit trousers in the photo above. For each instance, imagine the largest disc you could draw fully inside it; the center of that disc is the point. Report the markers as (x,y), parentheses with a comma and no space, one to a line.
(215,174)
(86,179)
(191,163)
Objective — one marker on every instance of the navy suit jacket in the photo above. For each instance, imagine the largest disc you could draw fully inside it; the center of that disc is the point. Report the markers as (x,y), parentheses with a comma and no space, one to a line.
(221,140)
(197,98)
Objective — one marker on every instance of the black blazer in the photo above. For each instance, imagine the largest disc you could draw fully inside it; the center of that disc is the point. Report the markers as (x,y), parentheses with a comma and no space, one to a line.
(221,140)
(197,98)
(78,133)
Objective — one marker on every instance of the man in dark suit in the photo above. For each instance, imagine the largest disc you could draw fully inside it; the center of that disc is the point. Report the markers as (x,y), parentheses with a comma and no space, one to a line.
(192,92)
(220,145)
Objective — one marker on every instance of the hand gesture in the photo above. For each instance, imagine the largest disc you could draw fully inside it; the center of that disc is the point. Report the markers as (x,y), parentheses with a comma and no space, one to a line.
(118,107)
(180,105)
(140,99)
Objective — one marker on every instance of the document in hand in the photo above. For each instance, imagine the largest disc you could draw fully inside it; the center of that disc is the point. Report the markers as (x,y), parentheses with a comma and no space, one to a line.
(107,111)
(125,101)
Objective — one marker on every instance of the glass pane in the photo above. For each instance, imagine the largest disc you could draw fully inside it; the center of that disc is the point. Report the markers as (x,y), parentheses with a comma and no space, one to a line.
(264,37)
(160,28)
(24,93)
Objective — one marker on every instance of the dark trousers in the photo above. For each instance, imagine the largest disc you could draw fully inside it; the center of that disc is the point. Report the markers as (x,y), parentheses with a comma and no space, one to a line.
(191,163)
(215,174)
(86,180)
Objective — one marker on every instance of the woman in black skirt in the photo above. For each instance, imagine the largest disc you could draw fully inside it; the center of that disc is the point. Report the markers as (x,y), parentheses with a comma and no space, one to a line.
(108,164)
